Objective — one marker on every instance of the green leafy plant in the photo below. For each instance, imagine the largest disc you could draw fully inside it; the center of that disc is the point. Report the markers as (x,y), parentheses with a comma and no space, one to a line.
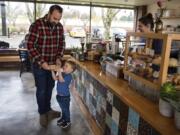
(168,91)
(175,104)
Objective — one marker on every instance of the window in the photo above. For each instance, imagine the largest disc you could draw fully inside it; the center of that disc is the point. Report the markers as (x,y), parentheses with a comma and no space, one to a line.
(106,22)
(18,19)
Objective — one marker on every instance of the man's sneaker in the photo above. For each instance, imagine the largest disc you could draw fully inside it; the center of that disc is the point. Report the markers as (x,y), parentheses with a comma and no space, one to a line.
(60,122)
(65,124)
(53,114)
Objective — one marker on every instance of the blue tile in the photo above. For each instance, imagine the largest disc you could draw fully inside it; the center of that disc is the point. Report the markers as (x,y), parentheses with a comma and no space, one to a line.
(114,128)
(133,118)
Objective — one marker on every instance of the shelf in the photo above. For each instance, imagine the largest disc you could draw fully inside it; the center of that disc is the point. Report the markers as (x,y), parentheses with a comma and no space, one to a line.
(144,81)
(171,17)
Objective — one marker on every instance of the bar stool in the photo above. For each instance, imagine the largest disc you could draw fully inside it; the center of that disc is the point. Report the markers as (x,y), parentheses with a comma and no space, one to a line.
(25,64)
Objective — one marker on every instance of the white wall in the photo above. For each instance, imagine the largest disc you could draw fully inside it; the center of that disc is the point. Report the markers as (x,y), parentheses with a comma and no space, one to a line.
(173,4)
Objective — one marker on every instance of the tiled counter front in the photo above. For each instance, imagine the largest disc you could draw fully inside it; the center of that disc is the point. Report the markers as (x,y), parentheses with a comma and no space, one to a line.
(112,115)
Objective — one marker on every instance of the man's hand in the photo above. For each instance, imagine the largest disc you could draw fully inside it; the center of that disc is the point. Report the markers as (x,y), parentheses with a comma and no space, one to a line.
(58,62)
(60,70)
(45,66)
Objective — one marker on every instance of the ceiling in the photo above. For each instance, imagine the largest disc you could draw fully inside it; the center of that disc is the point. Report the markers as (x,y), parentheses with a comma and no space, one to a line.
(113,3)
(107,2)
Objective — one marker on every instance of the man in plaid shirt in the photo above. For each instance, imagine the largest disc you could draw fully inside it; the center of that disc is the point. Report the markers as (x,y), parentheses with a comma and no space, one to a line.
(45,43)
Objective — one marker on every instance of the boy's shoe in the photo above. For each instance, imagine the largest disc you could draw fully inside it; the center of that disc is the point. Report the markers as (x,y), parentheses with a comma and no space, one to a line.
(60,122)
(65,124)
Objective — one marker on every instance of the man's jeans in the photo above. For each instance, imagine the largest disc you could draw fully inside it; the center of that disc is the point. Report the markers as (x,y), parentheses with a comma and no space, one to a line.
(64,103)
(44,85)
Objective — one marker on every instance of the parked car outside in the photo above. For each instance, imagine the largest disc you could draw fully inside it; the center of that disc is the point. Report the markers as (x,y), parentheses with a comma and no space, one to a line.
(77,32)
(118,32)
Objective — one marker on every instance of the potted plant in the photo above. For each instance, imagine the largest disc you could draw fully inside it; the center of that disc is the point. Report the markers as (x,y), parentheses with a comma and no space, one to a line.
(167,91)
(176,105)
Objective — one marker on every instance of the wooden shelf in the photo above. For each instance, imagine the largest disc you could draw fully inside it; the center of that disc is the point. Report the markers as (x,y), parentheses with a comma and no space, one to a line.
(171,17)
(144,81)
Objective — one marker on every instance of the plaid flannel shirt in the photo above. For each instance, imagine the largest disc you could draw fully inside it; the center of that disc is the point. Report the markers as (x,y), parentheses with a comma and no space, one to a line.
(44,42)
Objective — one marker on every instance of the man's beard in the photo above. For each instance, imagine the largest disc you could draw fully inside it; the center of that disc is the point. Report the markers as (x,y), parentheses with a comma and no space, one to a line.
(52,24)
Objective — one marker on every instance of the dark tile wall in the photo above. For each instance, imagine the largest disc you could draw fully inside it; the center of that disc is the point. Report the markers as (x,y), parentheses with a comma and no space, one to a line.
(113,116)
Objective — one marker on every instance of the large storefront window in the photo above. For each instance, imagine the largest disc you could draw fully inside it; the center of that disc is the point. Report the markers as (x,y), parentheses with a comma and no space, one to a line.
(17,20)
(106,22)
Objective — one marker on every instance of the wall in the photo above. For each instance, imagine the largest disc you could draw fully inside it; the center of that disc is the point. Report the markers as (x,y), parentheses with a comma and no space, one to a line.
(173,4)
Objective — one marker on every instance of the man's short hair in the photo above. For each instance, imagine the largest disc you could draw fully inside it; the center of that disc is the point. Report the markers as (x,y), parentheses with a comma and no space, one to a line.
(55,7)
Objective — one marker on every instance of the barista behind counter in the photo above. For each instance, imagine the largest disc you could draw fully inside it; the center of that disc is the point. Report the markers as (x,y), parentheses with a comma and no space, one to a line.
(146,24)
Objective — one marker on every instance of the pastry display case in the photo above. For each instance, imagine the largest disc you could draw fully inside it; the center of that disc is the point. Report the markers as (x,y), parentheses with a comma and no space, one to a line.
(156,62)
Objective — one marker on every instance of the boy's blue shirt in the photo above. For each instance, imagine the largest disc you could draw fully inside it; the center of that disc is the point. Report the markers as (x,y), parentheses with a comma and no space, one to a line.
(63,87)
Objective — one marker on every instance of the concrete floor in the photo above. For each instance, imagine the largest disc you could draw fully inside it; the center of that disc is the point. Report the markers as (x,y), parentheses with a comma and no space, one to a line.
(18,110)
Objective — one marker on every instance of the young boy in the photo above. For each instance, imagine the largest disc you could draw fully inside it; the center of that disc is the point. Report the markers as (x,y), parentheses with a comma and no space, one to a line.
(63,95)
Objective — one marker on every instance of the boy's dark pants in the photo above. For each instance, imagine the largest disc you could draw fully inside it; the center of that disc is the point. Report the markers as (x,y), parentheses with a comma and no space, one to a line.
(64,103)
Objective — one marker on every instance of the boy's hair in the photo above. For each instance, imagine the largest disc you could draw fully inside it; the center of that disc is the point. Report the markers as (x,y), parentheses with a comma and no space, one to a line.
(72,63)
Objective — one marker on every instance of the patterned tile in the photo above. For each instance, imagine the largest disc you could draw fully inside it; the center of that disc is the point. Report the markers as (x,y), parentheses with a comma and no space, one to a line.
(133,118)
(91,89)
(110,97)
(82,78)
(112,115)
(115,115)
(98,97)
(94,102)
(108,120)
(94,82)
(103,103)
(92,110)
(98,107)
(90,98)
(84,94)
(114,128)
(103,91)
(107,130)
(123,109)
(98,117)
(146,129)
(116,102)
(109,108)
(87,98)
(119,132)
(102,118)
(131,130)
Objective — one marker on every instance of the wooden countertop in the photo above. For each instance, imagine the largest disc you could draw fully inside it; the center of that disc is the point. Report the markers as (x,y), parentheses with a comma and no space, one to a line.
(9,59)
(148,110)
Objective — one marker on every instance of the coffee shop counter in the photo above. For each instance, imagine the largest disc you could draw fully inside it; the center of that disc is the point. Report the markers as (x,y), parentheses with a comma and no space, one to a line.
(116,108)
